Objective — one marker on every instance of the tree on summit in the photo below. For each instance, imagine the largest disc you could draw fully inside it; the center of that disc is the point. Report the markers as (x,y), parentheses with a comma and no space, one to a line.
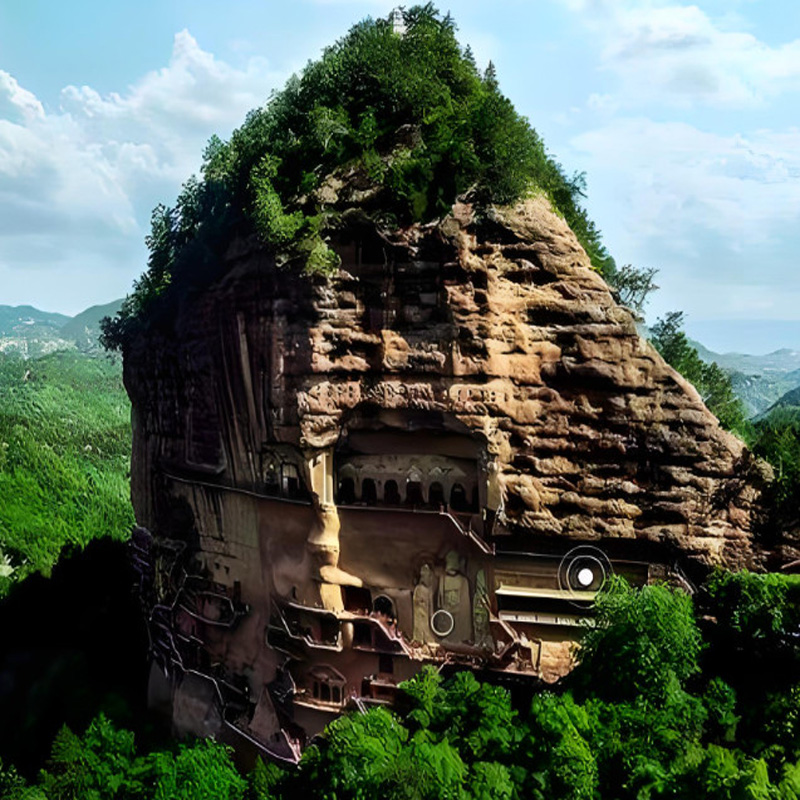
(396,102)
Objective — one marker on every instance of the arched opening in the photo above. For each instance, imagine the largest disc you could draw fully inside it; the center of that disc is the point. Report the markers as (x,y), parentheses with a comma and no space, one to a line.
(476,502)
(369,494)
(391,494)
(458,498)
(327,684)
(384,606)
(272,483)
(412,455)
(414,493)
(347,492)
(290,480)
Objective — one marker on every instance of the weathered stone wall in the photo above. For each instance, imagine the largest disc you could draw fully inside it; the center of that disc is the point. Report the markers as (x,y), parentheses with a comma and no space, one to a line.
(499,324)
(479,352)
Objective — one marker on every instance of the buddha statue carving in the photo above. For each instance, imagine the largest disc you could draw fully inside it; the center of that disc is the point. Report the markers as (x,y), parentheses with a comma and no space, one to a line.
(423,606)
(480,612)
(453,597)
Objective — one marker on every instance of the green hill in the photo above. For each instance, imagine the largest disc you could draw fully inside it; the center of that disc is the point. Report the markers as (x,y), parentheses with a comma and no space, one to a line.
(28,332)
(758,381)
(790,401)
(84,328)
(64,457)
(760,391)
(20,319)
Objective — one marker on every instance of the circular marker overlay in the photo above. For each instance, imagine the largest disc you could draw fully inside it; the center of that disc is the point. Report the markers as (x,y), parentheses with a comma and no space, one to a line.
(583,569)
(585,576)
(442,622)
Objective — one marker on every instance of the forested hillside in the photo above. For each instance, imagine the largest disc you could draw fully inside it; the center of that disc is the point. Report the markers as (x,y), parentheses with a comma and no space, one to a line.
(673,699)
(773,435)
(64,458)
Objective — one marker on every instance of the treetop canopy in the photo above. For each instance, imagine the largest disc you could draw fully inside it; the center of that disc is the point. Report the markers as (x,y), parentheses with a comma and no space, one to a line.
(397,101)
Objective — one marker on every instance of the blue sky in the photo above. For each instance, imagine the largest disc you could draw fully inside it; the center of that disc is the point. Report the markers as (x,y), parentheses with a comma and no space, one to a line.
(684,117)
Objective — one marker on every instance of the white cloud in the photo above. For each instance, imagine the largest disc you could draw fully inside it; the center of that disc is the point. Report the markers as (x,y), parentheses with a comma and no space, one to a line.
(677,181)
(664,52)
(715,212)
(603,103)
(676,175)
(78,183)
(16,99)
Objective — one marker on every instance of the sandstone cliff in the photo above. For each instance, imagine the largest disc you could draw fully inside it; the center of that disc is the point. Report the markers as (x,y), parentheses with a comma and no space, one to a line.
(499,323)
(437,455)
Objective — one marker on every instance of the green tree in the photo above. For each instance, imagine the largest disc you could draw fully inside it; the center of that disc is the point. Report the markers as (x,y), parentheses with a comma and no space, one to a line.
(95,766)
(556,753)
(710,380)
(643,643)
(634,285)
(373,755)
(200,771)
(404,116)
(776,438)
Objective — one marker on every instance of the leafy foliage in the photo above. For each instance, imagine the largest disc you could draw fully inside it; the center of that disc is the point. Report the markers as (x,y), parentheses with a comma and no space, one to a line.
(641,644)
(632,284)
(641,717)
(450,743)
(759,609)
(776,438)
(710,380)
(64,457)
(103,765)
(404,108)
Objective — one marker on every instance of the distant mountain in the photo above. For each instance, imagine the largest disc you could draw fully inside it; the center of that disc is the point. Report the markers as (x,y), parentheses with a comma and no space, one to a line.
(779,361)
(16,320)
(790,400)
(84,328)
(760,381)
(28,332)
(759,392)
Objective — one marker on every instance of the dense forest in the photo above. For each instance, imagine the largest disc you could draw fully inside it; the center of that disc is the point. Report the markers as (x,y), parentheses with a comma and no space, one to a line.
(773,436)
(674,697)
(64,458)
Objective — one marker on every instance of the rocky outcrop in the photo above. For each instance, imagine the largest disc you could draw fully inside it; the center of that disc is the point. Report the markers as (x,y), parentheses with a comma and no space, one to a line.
(437,455)
(499,323)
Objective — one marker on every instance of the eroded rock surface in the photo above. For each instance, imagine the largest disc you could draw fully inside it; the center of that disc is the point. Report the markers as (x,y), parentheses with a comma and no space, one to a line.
(588,433)
(465,395)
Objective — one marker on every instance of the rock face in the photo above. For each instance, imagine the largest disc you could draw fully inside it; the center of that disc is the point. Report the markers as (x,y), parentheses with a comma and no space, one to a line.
(462,421)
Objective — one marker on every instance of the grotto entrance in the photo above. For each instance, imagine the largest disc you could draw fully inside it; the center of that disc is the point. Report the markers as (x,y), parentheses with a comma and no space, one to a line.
(425,461)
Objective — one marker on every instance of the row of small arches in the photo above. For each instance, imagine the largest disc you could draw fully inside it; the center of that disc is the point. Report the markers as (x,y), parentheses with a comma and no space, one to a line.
(416,495)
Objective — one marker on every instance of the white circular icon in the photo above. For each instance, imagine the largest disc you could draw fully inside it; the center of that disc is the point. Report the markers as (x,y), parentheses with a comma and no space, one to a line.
(585,577)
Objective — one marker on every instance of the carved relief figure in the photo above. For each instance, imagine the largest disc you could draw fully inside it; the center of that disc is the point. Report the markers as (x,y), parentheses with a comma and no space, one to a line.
(423,606)
(323,546)
(453,596)
(480,612)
